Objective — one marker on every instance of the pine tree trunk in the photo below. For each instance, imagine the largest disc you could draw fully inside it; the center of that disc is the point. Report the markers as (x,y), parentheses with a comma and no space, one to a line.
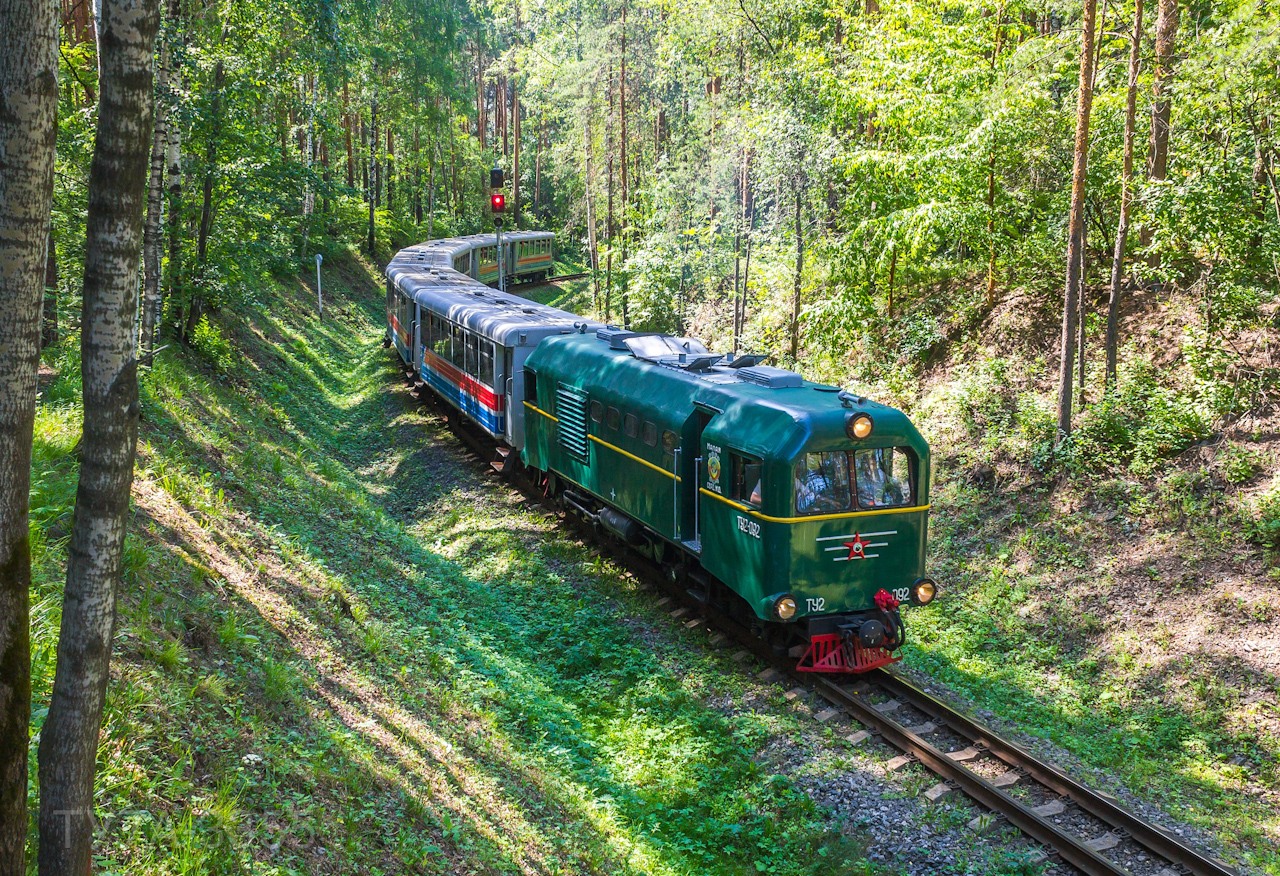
(622,119)
(515,155)
(1075,228)
(155,198)
(797,285)
(1166,39)
(1112,342)
(49,329)
(480,116)
(347,125)
(537,169)
(29,97)
(372,239)
(117,187)
(593,251)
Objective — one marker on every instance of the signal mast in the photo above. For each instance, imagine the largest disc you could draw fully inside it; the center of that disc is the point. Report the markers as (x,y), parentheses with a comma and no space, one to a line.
(498,206)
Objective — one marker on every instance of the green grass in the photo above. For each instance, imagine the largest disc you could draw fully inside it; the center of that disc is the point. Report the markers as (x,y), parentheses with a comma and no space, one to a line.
(342,649)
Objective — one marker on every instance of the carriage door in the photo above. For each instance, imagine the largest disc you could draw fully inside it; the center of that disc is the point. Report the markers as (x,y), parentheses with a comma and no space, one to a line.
(691,467)
(508,396)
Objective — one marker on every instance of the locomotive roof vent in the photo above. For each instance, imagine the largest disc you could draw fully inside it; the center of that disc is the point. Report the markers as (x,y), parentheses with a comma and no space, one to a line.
(614,336)
(773,378)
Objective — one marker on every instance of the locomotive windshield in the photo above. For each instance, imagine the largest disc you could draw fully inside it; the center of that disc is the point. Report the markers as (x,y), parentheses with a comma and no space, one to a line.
(840,480)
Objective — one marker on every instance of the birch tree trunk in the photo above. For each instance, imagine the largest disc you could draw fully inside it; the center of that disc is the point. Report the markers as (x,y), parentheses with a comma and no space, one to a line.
(155,199)
(1075,226)
(28,108)
(117,186)
(1126,199)
(206,204)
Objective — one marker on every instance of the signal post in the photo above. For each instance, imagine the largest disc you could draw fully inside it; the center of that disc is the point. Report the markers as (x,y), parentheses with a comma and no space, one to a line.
(498,204)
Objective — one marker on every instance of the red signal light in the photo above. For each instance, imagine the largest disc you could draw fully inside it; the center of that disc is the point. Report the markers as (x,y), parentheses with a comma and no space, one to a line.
(498,202)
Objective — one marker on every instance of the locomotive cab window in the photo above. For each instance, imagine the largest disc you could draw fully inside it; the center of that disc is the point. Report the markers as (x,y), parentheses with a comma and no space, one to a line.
(650,433)
(612,418)
(822,483)
(631,425)
(747,483)
(884,477)
(531,385)
(597,412)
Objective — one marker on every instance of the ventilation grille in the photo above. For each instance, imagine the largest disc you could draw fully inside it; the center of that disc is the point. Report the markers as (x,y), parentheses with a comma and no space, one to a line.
(571,409)
(774,378)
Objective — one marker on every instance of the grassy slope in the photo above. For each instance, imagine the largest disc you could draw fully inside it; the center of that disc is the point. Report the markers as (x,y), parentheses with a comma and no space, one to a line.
(1120,612)
(342,650)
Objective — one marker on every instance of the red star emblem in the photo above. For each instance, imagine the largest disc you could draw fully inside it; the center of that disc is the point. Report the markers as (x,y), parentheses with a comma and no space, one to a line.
(857,550)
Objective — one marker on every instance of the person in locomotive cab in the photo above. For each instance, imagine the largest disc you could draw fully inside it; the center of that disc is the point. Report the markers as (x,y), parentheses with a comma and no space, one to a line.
(818,487)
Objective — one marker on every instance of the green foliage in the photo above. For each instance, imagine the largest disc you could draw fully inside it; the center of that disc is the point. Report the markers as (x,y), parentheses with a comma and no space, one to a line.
(208,341)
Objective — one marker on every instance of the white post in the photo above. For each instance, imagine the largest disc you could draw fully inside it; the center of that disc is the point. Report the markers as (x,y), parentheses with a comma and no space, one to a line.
(502,261)
(319,294)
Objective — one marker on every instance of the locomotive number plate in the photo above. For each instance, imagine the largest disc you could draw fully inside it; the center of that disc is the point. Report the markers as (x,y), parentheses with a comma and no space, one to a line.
(750,527)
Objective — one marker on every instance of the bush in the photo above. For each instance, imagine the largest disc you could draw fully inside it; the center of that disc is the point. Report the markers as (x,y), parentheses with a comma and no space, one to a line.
(1264,527)
(208,341)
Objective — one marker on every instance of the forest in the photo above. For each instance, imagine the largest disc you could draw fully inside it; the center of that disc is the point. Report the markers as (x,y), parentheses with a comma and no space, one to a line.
(1048,231)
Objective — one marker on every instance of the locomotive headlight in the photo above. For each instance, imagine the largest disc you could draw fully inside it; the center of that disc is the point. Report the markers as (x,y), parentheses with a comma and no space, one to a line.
(924,591)
(785,608)
(859,426)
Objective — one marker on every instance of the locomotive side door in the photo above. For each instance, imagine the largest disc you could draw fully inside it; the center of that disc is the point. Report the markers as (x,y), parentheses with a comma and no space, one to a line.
(690,466)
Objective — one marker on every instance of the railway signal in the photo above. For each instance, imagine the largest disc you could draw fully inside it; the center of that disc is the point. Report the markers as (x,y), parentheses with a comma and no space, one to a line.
(498,206)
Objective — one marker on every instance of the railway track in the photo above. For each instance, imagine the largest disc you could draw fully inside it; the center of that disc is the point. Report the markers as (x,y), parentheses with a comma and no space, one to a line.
(1086,830)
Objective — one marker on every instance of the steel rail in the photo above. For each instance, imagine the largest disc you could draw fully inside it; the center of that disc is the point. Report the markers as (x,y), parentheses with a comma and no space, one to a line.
(1068,847)
(1100,805)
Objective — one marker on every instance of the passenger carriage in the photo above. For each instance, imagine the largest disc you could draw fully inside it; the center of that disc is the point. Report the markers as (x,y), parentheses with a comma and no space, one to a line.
(465,341)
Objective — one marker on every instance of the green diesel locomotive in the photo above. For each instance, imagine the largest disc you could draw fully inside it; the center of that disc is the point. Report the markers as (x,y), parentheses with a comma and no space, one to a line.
(809,503)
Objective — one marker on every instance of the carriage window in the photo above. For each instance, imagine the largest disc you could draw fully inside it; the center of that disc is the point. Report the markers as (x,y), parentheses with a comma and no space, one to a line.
(472,365)
(650,433)
(746,483)
(459,357)
(631,425)
(440,338)
(597,412)
(612,418)
(884,477)
(486,363)
(822,483)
